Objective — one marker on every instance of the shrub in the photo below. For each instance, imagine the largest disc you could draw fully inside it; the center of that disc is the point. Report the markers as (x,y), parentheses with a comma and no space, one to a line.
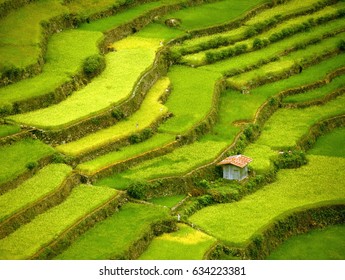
(146,134)
(137,189)
(205,200)
(31,165)
(93,65)
(61,158)
(117,114)
(258,43)
(251,132)
(250,32)
(135,138)
(291,159)
(341,45)
(6,109)
(203,184)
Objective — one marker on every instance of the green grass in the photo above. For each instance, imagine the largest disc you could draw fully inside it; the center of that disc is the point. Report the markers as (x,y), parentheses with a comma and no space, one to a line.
(233,106)
(190,86)
(320,244)
(213,13)
(20,40)
(168,201)
(108,23)
(184,244)
(89,7)
(65,54)
(239,34)
(150,111)
(286,126)
(270,69)
(292,124)
(114,236)
(112,86)
(45,182)
(288,8)
(178,162)
(14,158)
(45,228)
(261,155)
(318,181)
(273,49)
(20,33)
(285,62)
(158,140)
(6,130)
(160,31)
(317,93)
(331,144)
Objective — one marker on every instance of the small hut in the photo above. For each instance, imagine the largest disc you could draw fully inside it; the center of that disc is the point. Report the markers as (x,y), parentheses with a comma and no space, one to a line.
(235,167)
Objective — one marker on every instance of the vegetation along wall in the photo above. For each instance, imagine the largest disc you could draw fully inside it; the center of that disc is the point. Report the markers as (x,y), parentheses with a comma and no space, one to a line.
(115,113)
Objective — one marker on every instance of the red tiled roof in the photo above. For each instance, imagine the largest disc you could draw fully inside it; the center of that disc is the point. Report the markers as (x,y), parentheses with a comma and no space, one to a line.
(238,160)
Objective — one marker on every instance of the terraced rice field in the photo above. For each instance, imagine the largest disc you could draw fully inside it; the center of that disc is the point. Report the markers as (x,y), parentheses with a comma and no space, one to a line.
(103,101)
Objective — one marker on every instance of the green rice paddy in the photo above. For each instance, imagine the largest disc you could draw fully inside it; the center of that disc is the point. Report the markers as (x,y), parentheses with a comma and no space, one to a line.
(45,182)
(150,111)
(330,144)
(112,86)
(297,123)
(47,227)
(317,94)
(6,130)
(199,85)
(113,236)
(311,184)
(65,53)
(135,231)
(212,14)
(321,244)
(184,244)
(15,158)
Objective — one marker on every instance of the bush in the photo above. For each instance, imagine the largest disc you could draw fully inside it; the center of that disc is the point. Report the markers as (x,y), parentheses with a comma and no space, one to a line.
(146,134)
(6,109)
(205,200)
(135,138)
(93,65)
(204,184)
(251,132)
(341,45)
(60,158)
(258,43)
(31,165)
(291,159)
(117,114)
(250,32)
(137,189)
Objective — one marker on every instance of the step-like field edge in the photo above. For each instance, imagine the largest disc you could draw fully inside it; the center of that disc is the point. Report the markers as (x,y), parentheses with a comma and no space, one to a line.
(199,129)
(294,222)
(52,199)
(66,238)
(106,118)
(159,186)
(25,175)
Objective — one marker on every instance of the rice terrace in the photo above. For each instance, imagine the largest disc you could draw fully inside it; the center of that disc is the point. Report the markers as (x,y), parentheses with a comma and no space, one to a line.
(172,129)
